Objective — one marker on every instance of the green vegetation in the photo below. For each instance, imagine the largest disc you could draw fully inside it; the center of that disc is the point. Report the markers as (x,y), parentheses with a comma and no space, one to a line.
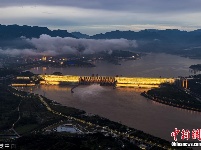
(106,123)
(196,67)
(4,72)
(33,115)
(27,66)
(195,84)
(8,108)
(122,128)
(69,111)
(26,128)
(64,142)
(34,118)
(174,96)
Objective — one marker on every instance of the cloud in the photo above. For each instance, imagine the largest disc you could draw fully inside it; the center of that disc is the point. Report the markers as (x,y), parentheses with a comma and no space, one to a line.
(120,5)
(53,46)
(84,15)
(69,45)
(18,52)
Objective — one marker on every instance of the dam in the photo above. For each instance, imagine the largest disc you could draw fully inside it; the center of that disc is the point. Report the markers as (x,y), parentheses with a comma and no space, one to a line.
(136,82)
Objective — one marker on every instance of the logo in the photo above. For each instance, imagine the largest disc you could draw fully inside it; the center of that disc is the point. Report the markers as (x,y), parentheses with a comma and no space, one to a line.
(186,135)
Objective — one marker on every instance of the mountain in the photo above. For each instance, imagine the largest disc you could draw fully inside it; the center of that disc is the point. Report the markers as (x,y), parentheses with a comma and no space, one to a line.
(16,31)
(171,41)
(10,35)
(168,35)
(147,34)
(80,35)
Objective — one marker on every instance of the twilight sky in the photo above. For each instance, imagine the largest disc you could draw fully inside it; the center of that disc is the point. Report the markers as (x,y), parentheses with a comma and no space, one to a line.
(95,16)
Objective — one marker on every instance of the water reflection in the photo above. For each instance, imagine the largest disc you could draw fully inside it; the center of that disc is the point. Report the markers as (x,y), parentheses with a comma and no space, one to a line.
(126,104)
(152,65)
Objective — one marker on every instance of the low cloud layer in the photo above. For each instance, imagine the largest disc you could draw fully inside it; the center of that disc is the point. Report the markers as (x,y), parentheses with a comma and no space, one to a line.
(68,45)
(53,46)
(20,52)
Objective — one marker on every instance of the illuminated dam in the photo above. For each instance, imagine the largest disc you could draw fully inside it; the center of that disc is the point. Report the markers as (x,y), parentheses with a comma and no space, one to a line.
(137,82)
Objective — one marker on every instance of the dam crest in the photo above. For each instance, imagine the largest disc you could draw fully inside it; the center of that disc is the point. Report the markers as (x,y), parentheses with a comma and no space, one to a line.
(137,82)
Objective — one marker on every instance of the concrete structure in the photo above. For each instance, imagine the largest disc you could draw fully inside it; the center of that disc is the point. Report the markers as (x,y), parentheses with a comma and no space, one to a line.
(23,84)
(185,83)
(22,78)
(102,80)
(182,82)
(44,58)
(137,82)
(59,79)
(22,81)
(140,82)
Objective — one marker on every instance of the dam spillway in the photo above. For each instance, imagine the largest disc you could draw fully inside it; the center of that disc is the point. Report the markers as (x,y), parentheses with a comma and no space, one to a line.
(137,82)
(142,82)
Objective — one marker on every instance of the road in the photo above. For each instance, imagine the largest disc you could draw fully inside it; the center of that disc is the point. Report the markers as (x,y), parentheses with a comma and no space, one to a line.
(13,125)
(107,129)
(114,133)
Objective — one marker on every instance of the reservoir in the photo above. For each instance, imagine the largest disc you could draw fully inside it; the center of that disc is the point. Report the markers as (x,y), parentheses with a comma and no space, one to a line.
(126,105)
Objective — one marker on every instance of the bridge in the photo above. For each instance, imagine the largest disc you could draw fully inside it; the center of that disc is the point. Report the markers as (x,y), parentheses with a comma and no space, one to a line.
(137,82)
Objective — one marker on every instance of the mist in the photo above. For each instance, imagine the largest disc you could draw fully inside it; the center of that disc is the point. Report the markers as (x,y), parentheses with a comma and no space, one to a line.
(70,45)
(53,46)
(25,52)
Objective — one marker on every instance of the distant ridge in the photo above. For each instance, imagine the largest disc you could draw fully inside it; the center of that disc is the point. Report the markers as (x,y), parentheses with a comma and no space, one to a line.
(149,34)
(16,31)
(80,35)
(173,41)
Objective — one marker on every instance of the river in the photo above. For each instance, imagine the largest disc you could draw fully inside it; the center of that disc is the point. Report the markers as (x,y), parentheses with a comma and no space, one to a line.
(125,105)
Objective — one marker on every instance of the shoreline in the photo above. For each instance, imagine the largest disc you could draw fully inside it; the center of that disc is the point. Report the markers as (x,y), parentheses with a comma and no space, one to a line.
(169,104)
(136,134)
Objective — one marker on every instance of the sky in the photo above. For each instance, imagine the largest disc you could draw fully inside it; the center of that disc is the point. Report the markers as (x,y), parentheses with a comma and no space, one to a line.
(100,16)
